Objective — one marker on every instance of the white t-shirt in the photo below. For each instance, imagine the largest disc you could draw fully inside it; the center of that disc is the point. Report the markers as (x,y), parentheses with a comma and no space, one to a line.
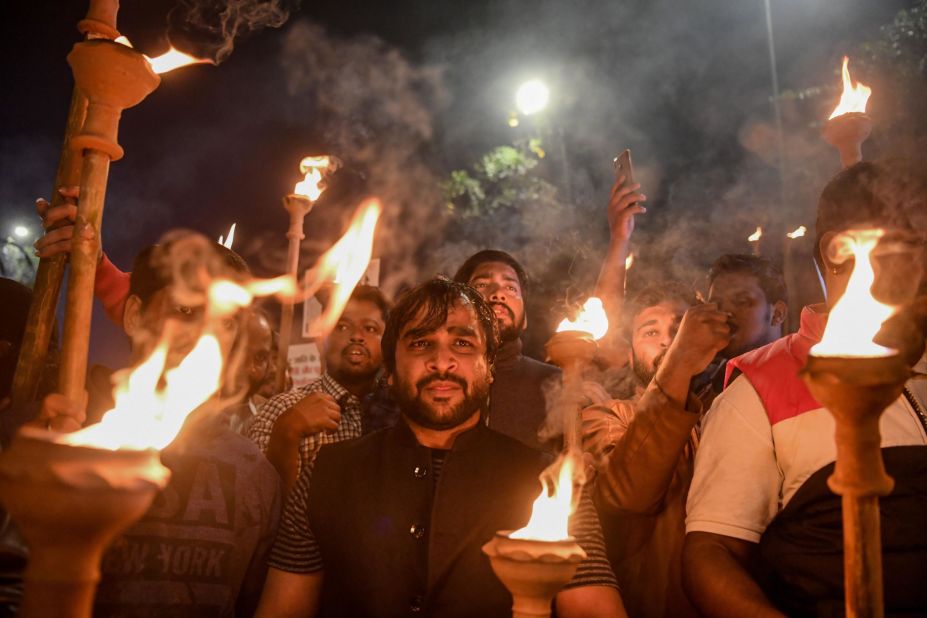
(747,470)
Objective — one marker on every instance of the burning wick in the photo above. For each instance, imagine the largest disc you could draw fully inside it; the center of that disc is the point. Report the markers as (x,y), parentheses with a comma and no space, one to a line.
(755,236)
(853,98)
(169,60)
(798,232)
(550,514)
(227,242)
(592,320)
(856,317)
(313,168)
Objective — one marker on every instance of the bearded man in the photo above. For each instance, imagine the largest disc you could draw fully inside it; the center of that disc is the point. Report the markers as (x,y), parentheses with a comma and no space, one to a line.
(395,520)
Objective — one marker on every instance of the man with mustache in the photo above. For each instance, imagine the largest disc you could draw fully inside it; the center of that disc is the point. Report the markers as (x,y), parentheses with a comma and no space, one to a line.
(396,520)
(644,446)
(291,427)
(516,405)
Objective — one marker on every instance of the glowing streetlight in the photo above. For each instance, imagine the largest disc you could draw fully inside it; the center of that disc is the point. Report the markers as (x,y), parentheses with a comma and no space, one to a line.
(21,231)
(532,97)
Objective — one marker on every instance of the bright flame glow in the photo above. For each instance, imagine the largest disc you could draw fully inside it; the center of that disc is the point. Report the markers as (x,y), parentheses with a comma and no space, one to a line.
(148,413)
(798,232)
(345,263)
(532,97)
(123,40)
(755,236)
(227,242)
(550,515)
(173,59)
(591,319)
(313,168)
(853,98)
(628,262)
(857,317)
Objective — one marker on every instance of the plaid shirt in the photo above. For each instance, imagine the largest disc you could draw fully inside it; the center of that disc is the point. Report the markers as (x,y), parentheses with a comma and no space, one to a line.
(348,428)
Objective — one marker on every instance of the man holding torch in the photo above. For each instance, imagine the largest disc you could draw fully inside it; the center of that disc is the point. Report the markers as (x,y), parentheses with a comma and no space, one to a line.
(764,531)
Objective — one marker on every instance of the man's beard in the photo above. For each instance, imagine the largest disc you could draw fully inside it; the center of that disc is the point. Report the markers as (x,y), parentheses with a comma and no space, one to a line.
(512,331)
(412,405)
(644,373)
(348,373)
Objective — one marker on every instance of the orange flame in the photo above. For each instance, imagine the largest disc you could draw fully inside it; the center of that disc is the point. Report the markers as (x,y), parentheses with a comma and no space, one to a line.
(856,317)
(227,242)
(173,59)
(853,98)
(755,236)
(628,262)
(550,514)
(798,232)
(313,168)
(591,319)
(149,413)
(168,61)
(344,264)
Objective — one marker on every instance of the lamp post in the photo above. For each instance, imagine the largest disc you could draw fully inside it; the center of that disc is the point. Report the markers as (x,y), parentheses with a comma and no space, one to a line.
(531,99)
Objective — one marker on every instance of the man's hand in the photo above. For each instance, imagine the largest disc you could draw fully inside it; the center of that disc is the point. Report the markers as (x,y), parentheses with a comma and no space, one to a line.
(624,203)
(313,413)
(703,332)
(60,414)
(58,222)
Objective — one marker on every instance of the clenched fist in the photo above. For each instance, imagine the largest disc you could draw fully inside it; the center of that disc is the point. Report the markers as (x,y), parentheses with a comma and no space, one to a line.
(313,413)
(703,332)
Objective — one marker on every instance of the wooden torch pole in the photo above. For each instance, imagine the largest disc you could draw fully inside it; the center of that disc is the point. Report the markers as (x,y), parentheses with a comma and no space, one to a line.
(298,206)
(114,77)
(100,22)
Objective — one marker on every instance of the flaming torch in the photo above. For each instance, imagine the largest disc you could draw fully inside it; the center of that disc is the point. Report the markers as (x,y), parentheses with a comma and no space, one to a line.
(99,23)
(298,204)
(848,125)
(72,494)
(856,379)
(113,77)
(537,561)
(226,241)
(788,266)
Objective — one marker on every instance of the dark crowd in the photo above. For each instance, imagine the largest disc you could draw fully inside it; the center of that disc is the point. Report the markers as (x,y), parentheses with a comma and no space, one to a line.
(371,490)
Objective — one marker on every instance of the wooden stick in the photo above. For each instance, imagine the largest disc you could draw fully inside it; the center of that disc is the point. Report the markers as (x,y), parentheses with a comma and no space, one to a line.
(84,251)
(862,560)
(41,320)
(298,206)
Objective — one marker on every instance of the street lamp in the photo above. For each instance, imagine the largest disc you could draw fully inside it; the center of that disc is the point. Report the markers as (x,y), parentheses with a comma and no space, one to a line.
(21,231)
(532,97)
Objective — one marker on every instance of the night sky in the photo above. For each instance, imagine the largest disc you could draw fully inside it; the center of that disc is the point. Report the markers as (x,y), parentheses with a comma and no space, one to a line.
(680,83)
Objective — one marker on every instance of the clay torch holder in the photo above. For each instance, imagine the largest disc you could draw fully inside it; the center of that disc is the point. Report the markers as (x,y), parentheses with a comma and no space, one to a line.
(69,503)
(113,77)
(571,350)
(298,206)
(856,391)
(847,133)
(533,571)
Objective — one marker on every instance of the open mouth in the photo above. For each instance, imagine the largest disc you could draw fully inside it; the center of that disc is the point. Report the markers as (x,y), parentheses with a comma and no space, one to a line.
(502,311)
(356,352)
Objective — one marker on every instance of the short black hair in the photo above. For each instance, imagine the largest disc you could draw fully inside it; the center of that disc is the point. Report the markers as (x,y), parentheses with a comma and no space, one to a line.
(655,294)
(434,299)
(152,272)
(870,194)
(769,276)
(465,272)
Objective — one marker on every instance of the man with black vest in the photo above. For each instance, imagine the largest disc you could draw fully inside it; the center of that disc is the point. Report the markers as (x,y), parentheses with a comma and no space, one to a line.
(396,520)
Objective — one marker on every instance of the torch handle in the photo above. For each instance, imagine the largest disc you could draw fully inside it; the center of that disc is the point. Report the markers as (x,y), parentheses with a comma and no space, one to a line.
(862,557)
(41,320)
(294,236)
(84,253)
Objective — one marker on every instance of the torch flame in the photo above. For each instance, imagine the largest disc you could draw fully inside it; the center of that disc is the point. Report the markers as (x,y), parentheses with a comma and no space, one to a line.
(628,262)
(148,413)
(755,236)
(856,317)
(591,319)
(173,59)
(853,98)
(227,242)
(798,232)
(344,264)
(550,514)
(313,168)
(168,61)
